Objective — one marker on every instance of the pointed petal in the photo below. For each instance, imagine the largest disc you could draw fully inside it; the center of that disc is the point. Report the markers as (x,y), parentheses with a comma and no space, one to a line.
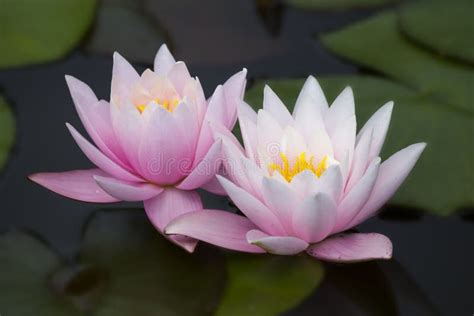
(310,98)
(360,160)
(279,245)
(219,228)
(314,218)
(170,204)
(128,191)
(248,129)
(281,199)
(255,210)
(331,182)
(392,173)
(214,186)
(245,110)
(179,76)
(234,89)
(352,248)
(77,184)
(233,166)
(99,159)
(273,105)
(163,60)
(269,135)
(124,78)
(343,139)
(205,170)
(341,109)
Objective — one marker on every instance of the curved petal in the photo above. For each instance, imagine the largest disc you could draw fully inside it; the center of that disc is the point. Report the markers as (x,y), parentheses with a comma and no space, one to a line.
(244,109)
(124,78)
(352,248)
(310,99)
(356,197)
(343,139)
(360,161)
(281,199)
(331,182)
(248,130)
(234,168)
(163,60)
(278,245)
(269,135)
(273,105)
(342,108)
(379,123)
(99,159)
(255,210)
(214,186)
(219,228)
(234,89)
(128,191)
(315,218)
(205,170)
(170,204)
(392,173)
(77,184)
(179,76)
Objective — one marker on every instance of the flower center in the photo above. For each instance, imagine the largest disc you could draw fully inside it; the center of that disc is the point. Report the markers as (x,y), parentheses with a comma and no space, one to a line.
(301,164)
(169,105)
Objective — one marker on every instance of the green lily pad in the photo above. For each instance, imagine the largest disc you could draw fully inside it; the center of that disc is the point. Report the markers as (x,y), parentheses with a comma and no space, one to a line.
(376,43)
(337,4)
(443,26)
(122,26)
(26,264)
(7,131)
(146,274)
(267,285)
(35,31)
(443,179)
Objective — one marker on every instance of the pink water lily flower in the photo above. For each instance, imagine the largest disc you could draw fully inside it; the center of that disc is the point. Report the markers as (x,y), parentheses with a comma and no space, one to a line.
(153,140)
(304,179)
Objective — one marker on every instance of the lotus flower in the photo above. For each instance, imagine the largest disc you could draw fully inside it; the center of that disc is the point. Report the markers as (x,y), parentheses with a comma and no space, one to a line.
(304,179)
(153,141)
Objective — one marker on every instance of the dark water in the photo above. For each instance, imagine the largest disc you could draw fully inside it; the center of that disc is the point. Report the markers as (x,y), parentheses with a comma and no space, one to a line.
(432,270)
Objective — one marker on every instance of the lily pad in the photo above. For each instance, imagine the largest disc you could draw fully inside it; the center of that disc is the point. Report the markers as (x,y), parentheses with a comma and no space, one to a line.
(443,26)
(337,4)
(122,26)
(443,179)
(267,285)
(25,266)
(377,44)
(7,131)
(145,273)
(36,31)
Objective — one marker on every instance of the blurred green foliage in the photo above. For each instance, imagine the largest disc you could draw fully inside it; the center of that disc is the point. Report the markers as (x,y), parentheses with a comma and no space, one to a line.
(7,131)
(337,4)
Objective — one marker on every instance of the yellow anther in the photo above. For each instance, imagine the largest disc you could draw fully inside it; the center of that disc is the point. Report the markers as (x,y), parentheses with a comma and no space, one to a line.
(301,164)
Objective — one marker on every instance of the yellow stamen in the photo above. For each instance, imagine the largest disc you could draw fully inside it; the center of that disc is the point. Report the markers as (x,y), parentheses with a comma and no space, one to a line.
(300,165)
(166,104)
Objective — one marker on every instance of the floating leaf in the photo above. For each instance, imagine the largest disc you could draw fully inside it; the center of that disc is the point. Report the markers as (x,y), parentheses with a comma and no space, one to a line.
(443,26)
(25,266)
(35,31)
(377,44)
(267,285)
(7,131)
(447,158)
(122,26)
(337,4)
(146,274)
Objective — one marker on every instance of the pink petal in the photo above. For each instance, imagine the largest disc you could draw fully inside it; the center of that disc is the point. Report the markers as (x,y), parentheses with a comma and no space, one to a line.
(269,135)
(315,218)
(310,98)
(99,159)
(77,184)
(356,197)
(360,161)
(170,204)
(273,105)
(234,89)
(163,60)
(124,78)
(214,186)
(205,170)
(352,248)
(219,131)
(255,210)
(279,245)
(392,173)
(233,164)
(219,228)
(342,108)
(246,110)
(379,123)
(179,76)
(248,130)
(343,139)
(331,182)
(281,199)
(128,191)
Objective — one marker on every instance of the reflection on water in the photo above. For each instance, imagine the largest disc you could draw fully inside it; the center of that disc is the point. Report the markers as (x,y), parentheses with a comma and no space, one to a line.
(124,267)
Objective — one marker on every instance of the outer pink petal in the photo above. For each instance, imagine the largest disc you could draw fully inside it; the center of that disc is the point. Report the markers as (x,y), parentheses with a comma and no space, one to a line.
(205,170)
(246,110)
(179,76)
(341,109)
(343,139)
(392,173)
(255,210)
(273,105)
(279,245)
(352,248)
(315,218)
(163,60)
(170,204)
(128,191)
(248,130)
(360,161)
(101,160)
(124,78)
(214,186)
(78,185)
(234,167)
(311,96)
(356,197)
(281,199)
(379,123)
(219,228)
(234,89)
